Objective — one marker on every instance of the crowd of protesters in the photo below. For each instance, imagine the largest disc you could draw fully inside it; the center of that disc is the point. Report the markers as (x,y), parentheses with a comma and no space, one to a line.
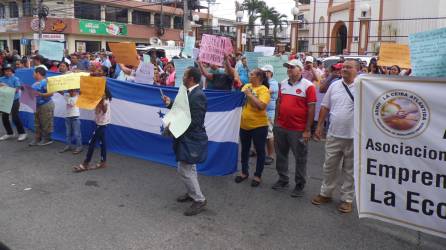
(279,115)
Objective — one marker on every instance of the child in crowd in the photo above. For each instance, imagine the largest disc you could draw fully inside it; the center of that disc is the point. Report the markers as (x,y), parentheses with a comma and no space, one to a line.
(72,122)
(43,117)
(102,118)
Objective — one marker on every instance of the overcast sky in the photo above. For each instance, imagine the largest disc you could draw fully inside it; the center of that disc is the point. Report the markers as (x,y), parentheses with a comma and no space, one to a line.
(226,8)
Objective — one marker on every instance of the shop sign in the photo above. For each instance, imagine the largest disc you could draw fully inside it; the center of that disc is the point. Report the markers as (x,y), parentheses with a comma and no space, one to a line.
(50,37)
(102,28)
(9,25)
(58,26)
(35,24)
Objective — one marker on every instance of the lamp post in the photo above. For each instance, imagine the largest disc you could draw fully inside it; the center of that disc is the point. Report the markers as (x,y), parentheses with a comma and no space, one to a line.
(240,32)
(364,29)
(195,26)
(295,30)
(239,15)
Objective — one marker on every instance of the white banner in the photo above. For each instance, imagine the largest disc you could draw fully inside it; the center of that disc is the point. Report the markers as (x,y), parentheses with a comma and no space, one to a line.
(400,151)
(267,51)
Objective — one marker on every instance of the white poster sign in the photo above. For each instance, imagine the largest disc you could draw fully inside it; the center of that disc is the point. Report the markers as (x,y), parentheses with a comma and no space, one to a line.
(267,51)
(400,151)
(178,119)
(144,73)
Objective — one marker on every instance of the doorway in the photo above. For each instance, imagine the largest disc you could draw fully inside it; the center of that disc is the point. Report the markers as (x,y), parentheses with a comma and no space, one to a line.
(339,38)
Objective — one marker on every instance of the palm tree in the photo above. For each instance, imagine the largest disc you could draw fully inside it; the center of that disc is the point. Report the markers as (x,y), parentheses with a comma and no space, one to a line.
(253,7)
(266,15)
(277,20)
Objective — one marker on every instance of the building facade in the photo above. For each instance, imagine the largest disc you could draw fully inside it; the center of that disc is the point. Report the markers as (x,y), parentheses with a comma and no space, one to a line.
(359,26)
(89,25)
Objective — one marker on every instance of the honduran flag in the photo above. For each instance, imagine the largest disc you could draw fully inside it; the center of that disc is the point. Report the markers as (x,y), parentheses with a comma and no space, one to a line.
(136,127)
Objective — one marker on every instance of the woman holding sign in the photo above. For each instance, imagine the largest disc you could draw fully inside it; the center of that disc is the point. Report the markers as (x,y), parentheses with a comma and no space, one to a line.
(12,81)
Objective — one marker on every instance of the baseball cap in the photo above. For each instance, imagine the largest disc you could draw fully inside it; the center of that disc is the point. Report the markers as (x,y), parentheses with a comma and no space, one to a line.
(309,59)
(8,66)
(337,66)
(294,62)
(268,67)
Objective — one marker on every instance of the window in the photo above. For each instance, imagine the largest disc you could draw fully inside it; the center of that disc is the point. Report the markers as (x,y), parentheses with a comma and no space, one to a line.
(305,1)
(166,21)
(27,8)
(321,30)
(87,11)
(178,23)
(2,11)
(140,17)
(13,10)
(302,46)
(115,14)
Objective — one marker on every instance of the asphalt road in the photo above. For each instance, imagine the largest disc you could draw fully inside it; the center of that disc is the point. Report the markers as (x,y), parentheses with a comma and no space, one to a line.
(131,205)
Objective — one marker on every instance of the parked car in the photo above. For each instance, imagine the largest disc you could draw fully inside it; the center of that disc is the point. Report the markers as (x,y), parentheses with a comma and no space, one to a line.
(331,60)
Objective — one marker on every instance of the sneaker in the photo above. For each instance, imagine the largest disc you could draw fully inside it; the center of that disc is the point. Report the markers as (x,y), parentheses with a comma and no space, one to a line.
(280,185)
(269,160)
(196,208)
(345,207)
(6,137)
(45,142)
(65,149)
(22,137)
(33,143)
(297,192)
(319,199)
(184,198)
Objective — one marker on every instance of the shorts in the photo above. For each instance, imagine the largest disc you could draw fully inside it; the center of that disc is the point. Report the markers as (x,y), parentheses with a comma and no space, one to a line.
(270,134)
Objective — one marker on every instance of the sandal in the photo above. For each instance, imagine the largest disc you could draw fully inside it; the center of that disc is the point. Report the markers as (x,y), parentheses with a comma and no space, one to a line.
(240,178)
(80,168)
(99,165)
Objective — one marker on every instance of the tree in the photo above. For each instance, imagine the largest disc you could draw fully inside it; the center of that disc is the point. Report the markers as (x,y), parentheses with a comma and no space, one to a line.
(277,20)
(266,15)
(253,7)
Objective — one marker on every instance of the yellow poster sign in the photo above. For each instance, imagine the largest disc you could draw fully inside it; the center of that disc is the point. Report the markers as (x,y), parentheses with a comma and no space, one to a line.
(92,90)
(125,53)
(394,54)
(65,82)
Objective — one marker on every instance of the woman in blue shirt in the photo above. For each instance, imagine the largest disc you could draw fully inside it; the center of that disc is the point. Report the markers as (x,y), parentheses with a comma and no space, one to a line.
(12,81)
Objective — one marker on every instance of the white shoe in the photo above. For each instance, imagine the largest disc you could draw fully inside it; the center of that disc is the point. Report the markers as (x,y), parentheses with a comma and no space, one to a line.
(6,137)
(22,137)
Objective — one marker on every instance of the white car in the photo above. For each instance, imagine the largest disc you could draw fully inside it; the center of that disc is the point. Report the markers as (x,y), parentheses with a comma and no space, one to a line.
(331,60)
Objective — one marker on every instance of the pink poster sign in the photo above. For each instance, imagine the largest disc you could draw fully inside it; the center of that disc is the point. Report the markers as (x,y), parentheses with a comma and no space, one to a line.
(213,49)
(28,97)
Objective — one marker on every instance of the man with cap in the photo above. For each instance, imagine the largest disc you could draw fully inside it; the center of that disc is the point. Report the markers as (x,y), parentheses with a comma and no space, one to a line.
(12,81)
(292,130)
(309,72)
(271,112)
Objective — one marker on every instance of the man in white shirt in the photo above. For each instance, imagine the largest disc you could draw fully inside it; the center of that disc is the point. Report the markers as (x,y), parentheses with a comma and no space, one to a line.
(339,102)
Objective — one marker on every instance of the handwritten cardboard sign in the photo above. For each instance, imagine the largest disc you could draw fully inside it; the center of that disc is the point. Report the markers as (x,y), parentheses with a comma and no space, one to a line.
(125,53)
(92,90)
(213,49)
(6,99)
(394,54)
(65,82)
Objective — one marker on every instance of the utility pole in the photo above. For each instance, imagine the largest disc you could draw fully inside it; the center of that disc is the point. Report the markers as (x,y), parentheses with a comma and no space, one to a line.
(186,22)
(41,18)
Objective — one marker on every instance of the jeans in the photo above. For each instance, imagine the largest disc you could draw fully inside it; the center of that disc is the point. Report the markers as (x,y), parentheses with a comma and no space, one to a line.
(258,136)
(98,135)
(15,119)
(73,131)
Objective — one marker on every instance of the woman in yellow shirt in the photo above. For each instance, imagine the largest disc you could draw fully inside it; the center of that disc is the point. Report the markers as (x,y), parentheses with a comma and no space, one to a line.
(254,124)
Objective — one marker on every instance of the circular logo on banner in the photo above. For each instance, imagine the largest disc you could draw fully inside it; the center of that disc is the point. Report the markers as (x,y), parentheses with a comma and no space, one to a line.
(401,113)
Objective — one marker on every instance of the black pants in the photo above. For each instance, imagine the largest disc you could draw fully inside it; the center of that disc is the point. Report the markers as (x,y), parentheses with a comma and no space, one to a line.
(15,119)
(258,136)
(98,135)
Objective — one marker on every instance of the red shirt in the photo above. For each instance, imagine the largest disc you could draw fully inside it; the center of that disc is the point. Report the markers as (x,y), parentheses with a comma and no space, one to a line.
(293,104)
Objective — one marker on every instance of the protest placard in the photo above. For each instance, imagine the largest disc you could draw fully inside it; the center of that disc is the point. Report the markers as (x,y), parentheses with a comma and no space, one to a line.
(213,49)
(428,53)
(280,72)
(28,97)
(394,54)
(178,119)
(195,53)
(267,51)
(51,50)
(144,73)
(125,53)
(92,90)
(251,59)
(146,58)
(189,44)
(6,99)
(65,82)
(180,66)
(400,156)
